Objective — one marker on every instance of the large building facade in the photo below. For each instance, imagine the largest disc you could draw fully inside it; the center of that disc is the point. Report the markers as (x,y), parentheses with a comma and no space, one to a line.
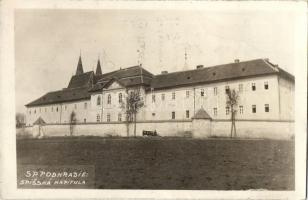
(266,92)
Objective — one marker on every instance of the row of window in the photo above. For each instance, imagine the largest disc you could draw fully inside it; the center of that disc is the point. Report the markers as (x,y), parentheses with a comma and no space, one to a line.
(56,109)
(98,100)
(108,117)
(241,109)
(202,92)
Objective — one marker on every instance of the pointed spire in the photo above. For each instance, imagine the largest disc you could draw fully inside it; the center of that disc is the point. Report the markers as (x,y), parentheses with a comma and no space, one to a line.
(79,67)
(98,68)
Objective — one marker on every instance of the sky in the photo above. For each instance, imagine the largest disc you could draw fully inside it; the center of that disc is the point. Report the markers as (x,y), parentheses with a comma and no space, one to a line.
(49,42)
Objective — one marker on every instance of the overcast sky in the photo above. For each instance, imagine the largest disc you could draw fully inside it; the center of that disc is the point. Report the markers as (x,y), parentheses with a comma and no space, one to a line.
(48,42)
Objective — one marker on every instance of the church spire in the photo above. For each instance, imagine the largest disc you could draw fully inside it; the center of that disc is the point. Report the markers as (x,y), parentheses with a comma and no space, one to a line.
(98,68)
(79,67)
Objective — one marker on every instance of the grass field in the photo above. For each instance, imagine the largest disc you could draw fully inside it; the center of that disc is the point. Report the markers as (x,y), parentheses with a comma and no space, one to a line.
(170,163)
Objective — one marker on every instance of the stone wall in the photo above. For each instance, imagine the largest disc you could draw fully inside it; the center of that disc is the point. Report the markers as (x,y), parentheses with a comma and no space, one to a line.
(196,128)
(254,129)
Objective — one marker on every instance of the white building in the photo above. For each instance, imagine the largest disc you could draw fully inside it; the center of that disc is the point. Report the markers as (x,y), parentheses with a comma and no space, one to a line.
(266,93)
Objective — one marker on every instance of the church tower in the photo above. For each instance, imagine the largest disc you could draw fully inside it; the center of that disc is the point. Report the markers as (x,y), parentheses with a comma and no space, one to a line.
(79,67)
(98,68)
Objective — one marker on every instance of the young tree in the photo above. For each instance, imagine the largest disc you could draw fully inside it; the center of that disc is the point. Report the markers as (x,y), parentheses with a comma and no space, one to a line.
(72,122)
(20,120)
(232,101)
(131,106)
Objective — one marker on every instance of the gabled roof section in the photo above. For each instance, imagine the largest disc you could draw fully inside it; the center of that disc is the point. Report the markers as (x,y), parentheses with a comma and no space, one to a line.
(61,96)
(39,121)
(217,73)
(127,77)
(127,72)
(201,114)
(82,80)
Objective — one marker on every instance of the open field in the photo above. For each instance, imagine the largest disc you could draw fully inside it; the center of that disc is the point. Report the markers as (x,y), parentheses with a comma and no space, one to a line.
(170,163)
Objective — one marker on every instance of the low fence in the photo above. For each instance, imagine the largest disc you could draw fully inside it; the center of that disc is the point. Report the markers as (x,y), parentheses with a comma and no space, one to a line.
(215,128)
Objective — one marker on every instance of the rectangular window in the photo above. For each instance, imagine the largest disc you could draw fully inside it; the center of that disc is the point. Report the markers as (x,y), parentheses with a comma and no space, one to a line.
(215,91)
(253,86)
(254,109)
(109,99)
(51,109)
(84,120)
(266,106)
(65,107)
(173,115)
(153,114)
(98,118)
(187,113)
(266,85)
(120,97)
(202,93)
(108,117)
(75,106)
(173,95)
(187,94)
(227,110)
(162,97)
(85,105)
(240,87)
(241,110)
(119,117)
(227,89)
(153,98)
(215,111)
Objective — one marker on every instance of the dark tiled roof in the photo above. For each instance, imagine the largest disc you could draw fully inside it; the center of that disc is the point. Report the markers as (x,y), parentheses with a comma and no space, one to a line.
(214,74)
(127,77)
(60,96)
(127,72)
(81,80)
(201,114)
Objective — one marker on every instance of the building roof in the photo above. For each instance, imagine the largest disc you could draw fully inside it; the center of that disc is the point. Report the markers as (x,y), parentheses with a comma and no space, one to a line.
(201,114)
(217,73)
(127,77)
(81,85)
(81,80)
(61,96)
(39,121)
(98,68)
(79,69)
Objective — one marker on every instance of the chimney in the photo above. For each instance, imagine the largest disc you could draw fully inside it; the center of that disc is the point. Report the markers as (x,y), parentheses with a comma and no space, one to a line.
(237,60)
(199,67)
(164,72)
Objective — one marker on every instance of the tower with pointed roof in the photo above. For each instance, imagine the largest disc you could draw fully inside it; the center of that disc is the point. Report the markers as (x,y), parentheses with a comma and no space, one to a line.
(79,67)
(98,68)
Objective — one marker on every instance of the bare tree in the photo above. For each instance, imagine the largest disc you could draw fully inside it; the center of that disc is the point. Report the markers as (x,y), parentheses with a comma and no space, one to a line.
(20,120)
(72,122)
(131,106)
(232,101)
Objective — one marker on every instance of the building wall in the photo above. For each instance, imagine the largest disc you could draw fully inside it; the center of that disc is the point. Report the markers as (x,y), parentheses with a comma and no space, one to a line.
(186,102)
(255,129)
(286,97)
(189,98)
(59,113)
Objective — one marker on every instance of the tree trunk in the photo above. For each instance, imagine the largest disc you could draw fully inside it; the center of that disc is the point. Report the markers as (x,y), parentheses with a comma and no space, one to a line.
(127,129)
(135,122)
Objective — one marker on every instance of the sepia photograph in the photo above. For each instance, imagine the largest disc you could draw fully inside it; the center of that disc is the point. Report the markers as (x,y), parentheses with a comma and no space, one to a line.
(179,99)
